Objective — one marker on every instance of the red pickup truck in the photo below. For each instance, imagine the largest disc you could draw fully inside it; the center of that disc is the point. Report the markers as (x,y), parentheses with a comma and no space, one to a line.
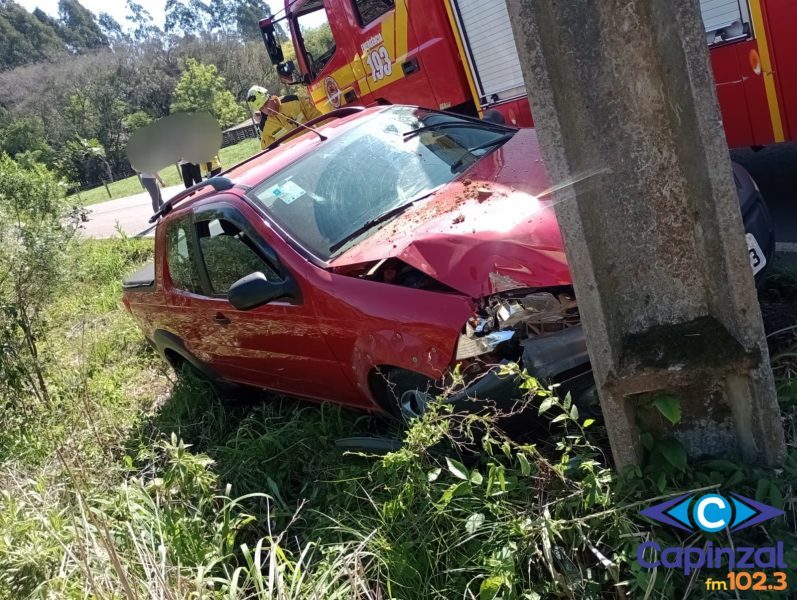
(358,263)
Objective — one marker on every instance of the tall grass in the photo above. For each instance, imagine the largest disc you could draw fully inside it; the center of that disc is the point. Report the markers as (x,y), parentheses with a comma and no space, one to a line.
(140,485)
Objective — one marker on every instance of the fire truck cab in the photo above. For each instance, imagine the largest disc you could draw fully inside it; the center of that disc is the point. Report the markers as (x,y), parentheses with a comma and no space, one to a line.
(460,55)
(379,54)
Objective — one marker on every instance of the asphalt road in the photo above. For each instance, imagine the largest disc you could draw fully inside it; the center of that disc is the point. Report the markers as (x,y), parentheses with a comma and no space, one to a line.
(130,215)
(774,169)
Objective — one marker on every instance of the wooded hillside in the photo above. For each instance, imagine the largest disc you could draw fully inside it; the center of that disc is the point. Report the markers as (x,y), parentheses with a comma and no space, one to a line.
(73,88)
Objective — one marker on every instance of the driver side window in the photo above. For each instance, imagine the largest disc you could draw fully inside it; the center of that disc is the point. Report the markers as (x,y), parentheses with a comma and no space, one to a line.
(371,10)
(229,254)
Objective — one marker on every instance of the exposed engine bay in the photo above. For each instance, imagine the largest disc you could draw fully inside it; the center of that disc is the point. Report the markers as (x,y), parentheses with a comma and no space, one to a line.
(505,321)
(541,330)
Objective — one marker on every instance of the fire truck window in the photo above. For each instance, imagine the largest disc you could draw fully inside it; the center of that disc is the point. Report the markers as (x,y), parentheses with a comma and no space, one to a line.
(319,45)
(370,10)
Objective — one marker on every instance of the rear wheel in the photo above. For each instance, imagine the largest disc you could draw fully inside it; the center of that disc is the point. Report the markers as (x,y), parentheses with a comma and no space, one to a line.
(229,394)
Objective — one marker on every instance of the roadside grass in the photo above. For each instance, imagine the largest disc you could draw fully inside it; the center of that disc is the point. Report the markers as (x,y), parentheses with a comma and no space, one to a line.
(779,306)
(136,484)
(229,156)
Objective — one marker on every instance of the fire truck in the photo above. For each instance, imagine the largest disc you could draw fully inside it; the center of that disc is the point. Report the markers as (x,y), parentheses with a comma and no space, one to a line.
(460,55)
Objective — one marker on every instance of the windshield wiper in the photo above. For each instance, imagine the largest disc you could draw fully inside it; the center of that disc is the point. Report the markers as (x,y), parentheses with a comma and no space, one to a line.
(456,125)
(469,152)
(384,217)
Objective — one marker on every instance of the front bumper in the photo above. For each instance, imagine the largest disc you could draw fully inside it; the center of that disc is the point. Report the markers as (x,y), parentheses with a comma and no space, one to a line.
(560,358)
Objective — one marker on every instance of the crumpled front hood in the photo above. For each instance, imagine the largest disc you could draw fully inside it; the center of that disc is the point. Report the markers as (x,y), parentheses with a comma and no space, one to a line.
(484,233)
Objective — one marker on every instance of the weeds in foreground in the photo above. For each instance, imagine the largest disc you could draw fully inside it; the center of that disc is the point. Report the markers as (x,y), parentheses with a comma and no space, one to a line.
(177,496)
(432,520)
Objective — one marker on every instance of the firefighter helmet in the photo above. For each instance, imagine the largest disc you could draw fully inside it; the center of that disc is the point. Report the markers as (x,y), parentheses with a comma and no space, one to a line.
(257,97)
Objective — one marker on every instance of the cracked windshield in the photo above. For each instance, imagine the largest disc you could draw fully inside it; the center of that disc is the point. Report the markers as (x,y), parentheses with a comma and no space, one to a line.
(369,170)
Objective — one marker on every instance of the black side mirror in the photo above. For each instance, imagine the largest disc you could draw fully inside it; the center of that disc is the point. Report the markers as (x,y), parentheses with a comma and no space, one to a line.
(287,73)
(255,290)
(273,46)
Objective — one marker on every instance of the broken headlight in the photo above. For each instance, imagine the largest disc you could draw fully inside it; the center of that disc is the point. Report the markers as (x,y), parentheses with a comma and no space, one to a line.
(471,346)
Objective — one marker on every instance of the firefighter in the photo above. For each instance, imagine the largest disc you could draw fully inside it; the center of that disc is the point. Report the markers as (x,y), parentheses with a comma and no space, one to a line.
(278,116)
(212,167)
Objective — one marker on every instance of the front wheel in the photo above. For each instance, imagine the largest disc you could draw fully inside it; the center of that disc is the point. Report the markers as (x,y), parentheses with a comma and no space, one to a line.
(403,394)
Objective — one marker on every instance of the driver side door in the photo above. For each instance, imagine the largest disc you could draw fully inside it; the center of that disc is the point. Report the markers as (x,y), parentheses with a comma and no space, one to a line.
(277,346)
(331,57)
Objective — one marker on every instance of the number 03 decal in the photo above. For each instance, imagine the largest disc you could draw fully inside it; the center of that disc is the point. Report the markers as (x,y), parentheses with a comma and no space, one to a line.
(380,63)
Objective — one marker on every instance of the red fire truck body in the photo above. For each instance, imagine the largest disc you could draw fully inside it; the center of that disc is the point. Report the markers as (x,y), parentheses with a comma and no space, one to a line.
(460,55)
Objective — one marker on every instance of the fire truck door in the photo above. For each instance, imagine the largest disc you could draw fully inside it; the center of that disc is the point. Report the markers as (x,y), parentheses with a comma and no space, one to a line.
(338,73)
(734,36)
(781,19)
(390,53)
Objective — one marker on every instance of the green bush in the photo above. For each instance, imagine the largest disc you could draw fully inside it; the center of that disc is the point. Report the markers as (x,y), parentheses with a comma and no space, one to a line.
(35,229)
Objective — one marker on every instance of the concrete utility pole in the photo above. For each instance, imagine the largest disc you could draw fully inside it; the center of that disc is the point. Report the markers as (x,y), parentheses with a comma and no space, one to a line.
(656,243)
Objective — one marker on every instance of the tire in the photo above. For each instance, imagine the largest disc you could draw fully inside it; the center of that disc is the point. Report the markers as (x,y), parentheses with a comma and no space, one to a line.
(756,217)
(402,394)
(229,394)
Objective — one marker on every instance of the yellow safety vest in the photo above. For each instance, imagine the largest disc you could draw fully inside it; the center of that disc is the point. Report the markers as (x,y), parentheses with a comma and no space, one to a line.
(211,166)
(292,110)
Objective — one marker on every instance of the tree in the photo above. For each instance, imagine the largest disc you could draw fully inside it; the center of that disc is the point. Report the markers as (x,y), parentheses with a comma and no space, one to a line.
(185,17)
(34,233)
(239,16)
(247,15)
(80,114)
(111,29)
(143,26)
(79,27)
(137,120)
(26,135)
(84,162)
(24,38)
(201,88)
(241,65)
(48,21)
(318,40)
(155,75)
(221,16)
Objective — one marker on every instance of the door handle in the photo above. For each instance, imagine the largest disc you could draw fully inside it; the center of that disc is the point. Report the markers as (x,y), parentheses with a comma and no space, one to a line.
(411,66)
(220,319)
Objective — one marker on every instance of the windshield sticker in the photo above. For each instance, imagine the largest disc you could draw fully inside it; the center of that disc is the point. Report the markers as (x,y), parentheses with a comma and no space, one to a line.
(287,191)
